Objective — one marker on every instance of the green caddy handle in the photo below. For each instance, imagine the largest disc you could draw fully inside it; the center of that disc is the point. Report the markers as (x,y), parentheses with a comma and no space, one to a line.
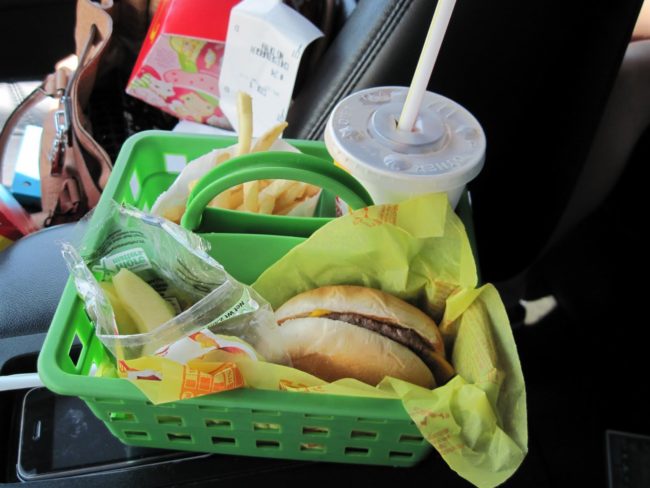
(270,165)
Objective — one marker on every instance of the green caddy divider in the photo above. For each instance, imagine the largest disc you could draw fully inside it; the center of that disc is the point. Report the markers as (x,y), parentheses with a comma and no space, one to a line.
(275,424)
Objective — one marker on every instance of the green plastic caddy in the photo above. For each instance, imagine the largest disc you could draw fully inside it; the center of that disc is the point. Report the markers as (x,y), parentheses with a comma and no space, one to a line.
(274,424)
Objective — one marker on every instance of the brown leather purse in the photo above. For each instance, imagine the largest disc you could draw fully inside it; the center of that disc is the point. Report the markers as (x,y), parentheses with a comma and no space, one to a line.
(74,168)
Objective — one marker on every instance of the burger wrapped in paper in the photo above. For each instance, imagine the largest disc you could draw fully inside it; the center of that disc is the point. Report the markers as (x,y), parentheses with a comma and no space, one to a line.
(336,332)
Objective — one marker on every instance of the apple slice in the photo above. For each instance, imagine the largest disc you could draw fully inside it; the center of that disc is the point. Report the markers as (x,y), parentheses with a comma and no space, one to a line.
(125,324)
(145,306)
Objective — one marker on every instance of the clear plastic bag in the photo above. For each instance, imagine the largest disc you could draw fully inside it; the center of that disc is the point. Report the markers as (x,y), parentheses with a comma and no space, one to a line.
(176,263)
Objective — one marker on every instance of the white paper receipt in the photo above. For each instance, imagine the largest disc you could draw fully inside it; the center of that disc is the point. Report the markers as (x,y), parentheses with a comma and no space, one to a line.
(265,42)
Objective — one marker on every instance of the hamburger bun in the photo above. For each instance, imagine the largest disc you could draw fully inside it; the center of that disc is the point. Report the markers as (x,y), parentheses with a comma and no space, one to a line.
(343,331)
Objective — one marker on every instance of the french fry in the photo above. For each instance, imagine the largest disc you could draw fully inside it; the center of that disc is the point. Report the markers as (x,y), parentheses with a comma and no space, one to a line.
(277,187)
(245,122)
(312,191)
(266,140)
(223,200)
(251,193)
(237,197)
(174,214)
(284,206)
(267,202)
(287,208)
(224,156)
(265,183)
(291,194)
(270,192)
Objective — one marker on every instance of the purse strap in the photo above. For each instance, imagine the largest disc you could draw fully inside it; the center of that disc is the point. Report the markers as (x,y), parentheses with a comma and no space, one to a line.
(93,33)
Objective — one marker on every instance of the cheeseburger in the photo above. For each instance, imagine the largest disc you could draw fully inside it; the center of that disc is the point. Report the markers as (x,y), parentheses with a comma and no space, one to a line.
(338,332)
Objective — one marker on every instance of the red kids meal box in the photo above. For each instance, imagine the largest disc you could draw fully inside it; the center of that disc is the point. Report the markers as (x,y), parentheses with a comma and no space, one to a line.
(179,63)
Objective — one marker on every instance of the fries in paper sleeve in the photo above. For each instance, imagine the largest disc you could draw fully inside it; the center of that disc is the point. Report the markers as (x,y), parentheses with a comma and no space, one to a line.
(276,197)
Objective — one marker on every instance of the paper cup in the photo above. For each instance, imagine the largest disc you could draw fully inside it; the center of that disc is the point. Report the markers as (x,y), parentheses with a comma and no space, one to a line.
(444,151)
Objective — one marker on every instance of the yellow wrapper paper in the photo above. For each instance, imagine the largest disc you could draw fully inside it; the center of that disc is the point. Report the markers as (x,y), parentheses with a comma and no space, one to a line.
(186,369)
(419,250)
(164,380)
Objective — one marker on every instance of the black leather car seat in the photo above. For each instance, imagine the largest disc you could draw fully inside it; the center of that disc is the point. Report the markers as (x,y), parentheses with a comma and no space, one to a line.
(32,277)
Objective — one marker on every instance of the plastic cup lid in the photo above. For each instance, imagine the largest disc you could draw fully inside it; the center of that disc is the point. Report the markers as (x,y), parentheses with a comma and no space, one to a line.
(446,149)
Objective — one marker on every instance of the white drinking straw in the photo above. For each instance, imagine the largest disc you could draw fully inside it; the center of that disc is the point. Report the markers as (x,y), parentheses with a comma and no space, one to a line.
(427,60)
